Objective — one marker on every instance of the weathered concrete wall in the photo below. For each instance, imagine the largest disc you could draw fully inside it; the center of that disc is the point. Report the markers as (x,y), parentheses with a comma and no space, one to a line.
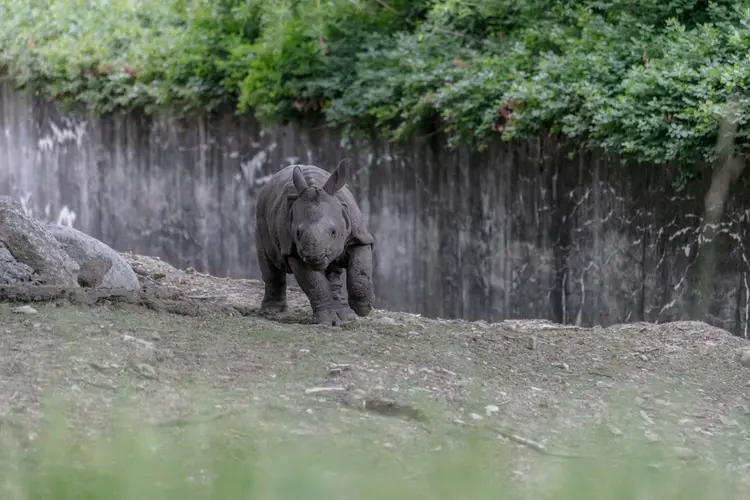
(522,230)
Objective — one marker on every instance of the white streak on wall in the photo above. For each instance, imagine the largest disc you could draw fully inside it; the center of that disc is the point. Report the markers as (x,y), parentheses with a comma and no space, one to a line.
(60,136)
(25,204)
(66,217)
(251,167)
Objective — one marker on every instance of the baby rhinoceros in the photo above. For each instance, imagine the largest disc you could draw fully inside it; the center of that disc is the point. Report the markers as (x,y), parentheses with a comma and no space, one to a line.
(309,225)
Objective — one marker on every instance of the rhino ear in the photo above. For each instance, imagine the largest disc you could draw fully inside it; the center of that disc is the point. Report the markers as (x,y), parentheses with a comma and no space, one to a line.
(299,180)
(358,235)
(337,179)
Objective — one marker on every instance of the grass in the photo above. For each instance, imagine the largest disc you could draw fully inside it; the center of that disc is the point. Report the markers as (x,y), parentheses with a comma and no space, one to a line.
(80,420)
(241,460)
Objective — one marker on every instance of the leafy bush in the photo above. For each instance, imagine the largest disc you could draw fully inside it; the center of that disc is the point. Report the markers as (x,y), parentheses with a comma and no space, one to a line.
(650,79)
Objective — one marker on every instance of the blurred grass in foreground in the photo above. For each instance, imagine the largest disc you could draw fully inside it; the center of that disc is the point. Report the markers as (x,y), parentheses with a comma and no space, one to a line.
(217,461)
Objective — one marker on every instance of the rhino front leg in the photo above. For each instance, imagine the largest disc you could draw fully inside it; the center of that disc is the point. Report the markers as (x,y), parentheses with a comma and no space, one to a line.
(274,280)
(335,277)
(318,291)
(359,279)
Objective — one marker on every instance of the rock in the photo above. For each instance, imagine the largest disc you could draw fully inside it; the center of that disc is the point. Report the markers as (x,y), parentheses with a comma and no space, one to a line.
(100,265)
(745,358)
(141,350)
(145,370)
(490,409)
(24,310)
(652,437)
(614,430)
(29,254)
(316,390)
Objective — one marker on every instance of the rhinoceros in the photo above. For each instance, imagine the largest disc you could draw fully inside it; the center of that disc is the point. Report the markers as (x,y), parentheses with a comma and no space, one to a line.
(308,224)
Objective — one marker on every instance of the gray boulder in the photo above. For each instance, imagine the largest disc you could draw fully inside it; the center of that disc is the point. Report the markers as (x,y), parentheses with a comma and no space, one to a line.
(101,266)
(29,254)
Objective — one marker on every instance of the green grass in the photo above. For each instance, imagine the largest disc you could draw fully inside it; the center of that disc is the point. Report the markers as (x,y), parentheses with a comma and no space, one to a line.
(99,439)
(219,461)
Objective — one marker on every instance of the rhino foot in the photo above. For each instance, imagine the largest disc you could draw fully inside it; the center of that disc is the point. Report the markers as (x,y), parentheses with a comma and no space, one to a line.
(327,317)
(361,308)
(345,313)
(273,307)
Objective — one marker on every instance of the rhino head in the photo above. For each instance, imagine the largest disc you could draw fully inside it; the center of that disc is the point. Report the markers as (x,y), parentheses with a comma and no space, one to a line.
(319,222)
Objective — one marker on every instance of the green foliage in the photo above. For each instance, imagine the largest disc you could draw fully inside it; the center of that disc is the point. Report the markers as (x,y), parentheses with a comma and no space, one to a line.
(119,54)
(649,79)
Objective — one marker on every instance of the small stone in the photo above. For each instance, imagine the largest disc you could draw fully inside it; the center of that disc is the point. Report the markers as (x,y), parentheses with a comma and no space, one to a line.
(24,310)
(652,437)
(745,358)
(476,416)
(98,366)
(531,343)
(646,418)
(387,321)
(146,370)
(727,421)
(490,409)
(142,349)
(345,367)
(315,390)
(614,430)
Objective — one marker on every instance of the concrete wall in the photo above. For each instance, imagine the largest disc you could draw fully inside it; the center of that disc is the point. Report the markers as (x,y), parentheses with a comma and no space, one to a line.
(522,230)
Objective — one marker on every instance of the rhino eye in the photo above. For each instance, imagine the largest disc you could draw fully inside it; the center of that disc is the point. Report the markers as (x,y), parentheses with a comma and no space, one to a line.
(333,231)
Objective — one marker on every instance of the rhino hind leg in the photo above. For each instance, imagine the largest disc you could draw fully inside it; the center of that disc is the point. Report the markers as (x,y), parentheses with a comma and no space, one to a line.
(336,279)
(274,279)
(318,290)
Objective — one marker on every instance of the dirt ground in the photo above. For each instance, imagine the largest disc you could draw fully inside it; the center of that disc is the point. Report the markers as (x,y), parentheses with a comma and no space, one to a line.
(192,348)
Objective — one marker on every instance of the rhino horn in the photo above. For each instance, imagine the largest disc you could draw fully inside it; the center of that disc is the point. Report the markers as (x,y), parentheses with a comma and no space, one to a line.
(299,180)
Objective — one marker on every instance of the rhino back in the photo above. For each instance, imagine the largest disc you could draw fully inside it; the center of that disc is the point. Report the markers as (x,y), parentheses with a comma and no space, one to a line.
(271,213)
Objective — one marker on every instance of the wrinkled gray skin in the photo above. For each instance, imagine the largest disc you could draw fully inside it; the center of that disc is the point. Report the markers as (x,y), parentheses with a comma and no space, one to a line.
(309,225)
